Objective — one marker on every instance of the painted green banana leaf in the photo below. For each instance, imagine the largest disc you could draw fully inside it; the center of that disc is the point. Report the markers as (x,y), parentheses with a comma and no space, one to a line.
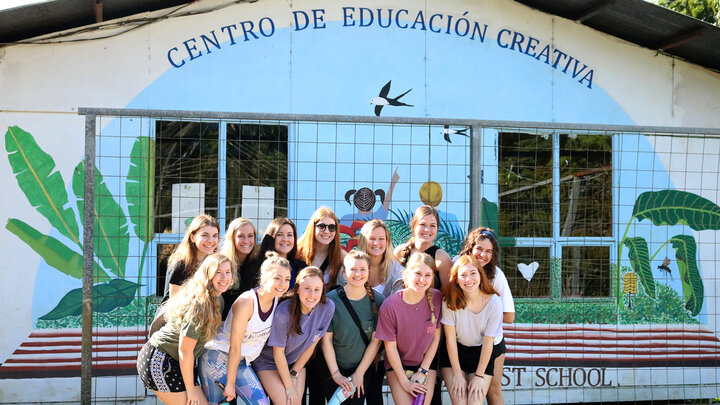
(685,255)
(106,297)
(640,262)
(112,238)
(54,252)
(140,188)
(672,207)
(42,184)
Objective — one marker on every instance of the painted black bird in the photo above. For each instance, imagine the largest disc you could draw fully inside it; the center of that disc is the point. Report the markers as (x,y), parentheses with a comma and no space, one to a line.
(382,99)
(447,131)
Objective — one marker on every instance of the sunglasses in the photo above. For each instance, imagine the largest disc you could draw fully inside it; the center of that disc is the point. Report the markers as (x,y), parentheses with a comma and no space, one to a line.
(322,227)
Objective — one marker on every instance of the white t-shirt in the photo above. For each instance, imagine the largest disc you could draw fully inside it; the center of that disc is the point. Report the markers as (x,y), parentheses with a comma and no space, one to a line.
(471,327)
(500,284)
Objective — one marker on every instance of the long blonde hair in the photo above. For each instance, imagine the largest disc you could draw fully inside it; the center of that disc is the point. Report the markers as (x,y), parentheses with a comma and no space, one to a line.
(195,302)
(364,241)
(414,260)
(307,243)
(186,252)
(228,244)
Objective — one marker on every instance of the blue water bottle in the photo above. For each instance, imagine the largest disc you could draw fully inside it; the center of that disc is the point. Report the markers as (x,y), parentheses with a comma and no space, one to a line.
(340,396)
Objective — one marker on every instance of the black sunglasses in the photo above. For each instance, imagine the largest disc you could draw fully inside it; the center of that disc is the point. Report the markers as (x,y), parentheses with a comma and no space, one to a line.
(323,227)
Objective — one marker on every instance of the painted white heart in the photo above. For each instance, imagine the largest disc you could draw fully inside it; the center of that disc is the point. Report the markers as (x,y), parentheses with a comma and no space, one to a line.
(528,270)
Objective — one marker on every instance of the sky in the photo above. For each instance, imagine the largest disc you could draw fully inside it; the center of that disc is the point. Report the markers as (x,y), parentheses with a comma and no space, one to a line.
(6,4)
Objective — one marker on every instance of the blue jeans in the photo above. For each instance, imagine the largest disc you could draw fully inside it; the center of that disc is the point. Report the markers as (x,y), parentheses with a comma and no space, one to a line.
(213,368)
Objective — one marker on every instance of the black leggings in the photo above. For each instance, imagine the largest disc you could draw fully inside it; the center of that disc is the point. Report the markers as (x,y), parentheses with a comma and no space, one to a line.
(372,383)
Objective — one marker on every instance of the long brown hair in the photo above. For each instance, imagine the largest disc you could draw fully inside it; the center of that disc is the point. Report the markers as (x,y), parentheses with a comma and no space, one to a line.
(295,307)
(364,241)
(420,213)
(195,301)
(453,294)
(424,258)
(475,236)
(306,244)
(186,252)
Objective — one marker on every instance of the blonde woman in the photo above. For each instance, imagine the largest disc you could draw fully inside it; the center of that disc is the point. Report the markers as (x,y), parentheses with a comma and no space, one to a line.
(228,357)
(167,363)
(385,272)
(319,245)
(472,318)
(409,324)
(424,228)
(201,239)
(239,247)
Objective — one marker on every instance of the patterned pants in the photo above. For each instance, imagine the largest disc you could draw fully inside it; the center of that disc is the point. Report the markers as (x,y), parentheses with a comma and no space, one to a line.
(213,368)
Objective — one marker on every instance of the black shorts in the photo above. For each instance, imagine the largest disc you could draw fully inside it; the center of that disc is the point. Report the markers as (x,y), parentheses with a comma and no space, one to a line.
(469,357)
(160,372)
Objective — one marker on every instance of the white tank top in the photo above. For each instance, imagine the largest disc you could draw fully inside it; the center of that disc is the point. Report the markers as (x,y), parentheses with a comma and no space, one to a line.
(257,331)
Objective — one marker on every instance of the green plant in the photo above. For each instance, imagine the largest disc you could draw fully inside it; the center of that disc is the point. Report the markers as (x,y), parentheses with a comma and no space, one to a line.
(45,189)
(667,308)
(671,207)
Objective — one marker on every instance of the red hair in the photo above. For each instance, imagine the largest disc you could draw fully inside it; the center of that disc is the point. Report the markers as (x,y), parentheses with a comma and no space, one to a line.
(454,295)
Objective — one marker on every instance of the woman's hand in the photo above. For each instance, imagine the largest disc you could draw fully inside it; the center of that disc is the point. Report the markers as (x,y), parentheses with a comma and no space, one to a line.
(419,377)
(193,395)
(414,387)
(343,382)
(458,386)
(475,388)
(292,395)
(229,391)
(357,379)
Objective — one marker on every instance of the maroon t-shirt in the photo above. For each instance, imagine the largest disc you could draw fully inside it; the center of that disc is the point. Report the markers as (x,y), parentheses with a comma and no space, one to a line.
(409,325)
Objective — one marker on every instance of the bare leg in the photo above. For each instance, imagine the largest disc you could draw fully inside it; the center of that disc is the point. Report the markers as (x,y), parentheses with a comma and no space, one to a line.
(447,374)
(495,396)
(400,396)
(275,388)
(431,380)
(179,398)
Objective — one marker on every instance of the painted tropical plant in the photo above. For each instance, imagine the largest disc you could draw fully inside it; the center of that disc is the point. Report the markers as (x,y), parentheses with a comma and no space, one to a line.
(672,207)
(46,190)
(449,236)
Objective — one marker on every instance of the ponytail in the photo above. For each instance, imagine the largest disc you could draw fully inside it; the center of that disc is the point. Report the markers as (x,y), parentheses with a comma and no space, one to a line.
(371,294)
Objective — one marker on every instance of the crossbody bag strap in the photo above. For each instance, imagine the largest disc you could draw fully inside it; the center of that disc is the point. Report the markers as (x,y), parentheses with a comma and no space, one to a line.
(353,315)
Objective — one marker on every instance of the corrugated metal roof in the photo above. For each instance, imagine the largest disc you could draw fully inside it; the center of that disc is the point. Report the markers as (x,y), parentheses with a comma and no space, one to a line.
(635,21)
(644,24)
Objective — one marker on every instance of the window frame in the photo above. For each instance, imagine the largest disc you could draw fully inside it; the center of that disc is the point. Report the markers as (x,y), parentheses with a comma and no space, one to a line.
(489,161)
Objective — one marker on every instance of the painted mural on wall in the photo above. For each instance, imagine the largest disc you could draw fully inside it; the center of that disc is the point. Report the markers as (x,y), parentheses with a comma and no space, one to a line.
(45,189)
(444,64)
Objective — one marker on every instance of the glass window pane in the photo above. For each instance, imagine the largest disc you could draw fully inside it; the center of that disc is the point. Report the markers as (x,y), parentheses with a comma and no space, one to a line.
(586,271)
(163,254)
(257,155)
(527,270)
(187,153)
(525,185)
(585,185)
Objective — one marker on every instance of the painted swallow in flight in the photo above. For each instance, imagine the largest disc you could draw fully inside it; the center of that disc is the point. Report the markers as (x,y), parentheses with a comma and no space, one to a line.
(447,131)
(382,99)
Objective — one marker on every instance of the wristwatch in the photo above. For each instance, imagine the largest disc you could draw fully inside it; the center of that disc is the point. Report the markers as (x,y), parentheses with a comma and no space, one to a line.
(422,370)
(293,373)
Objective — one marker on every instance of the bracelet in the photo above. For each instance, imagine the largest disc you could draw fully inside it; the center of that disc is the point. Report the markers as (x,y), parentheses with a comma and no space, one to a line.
(335,372)
(478,375)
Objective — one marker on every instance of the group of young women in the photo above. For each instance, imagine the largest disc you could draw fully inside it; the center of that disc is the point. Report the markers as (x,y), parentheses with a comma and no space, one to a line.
(260,324)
